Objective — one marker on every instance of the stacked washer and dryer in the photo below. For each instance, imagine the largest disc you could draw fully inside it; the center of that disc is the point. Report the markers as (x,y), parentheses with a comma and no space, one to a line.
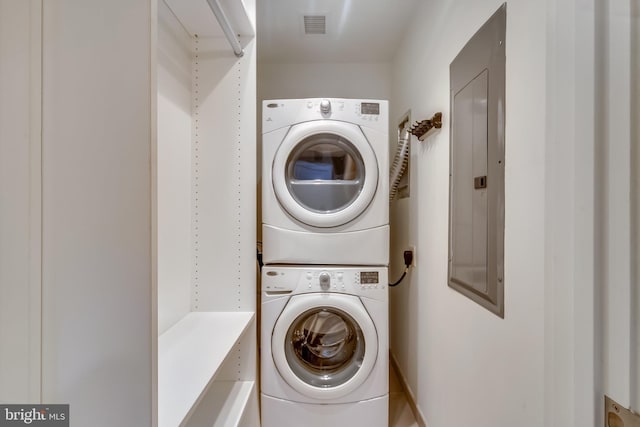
(325,240)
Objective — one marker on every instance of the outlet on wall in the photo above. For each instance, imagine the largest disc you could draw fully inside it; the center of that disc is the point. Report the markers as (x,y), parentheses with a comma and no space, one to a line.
(412,248)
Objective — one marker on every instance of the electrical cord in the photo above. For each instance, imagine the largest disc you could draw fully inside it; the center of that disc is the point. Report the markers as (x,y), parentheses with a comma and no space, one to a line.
(397,282)
(408,260)
(259,254)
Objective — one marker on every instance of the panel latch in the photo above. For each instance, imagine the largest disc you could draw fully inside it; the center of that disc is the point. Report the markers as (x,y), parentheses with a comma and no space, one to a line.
(480,182)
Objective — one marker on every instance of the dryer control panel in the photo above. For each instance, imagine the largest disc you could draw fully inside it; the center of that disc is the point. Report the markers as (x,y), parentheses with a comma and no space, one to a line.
(365,281)
(278,113)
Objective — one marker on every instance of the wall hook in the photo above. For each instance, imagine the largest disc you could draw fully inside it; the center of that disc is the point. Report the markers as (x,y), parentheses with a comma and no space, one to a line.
(420,129)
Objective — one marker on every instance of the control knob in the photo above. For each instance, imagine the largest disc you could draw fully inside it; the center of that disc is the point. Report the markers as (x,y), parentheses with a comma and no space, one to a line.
(325,106)
(325,280)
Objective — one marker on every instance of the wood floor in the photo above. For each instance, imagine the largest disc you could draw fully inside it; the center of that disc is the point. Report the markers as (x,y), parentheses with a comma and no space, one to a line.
(400,414)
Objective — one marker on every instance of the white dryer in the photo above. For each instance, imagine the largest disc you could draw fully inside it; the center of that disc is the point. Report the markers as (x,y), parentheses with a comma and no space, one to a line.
(325,183)
(324,345)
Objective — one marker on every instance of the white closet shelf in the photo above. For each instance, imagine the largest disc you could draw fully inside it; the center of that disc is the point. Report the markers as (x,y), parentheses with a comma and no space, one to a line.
(189,356)
(224,405)
(197,18)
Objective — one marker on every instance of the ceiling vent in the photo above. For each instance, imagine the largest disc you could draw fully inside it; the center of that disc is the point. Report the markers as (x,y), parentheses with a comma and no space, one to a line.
(315,24)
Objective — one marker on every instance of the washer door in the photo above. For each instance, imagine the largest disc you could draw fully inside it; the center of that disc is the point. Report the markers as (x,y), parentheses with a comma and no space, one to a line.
(324,345)
(325,173)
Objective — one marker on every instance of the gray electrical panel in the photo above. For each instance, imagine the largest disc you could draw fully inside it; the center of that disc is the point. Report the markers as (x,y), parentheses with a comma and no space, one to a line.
(476,174)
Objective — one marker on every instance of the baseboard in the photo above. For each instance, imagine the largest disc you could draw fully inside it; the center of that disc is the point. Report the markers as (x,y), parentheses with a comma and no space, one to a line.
(420,419)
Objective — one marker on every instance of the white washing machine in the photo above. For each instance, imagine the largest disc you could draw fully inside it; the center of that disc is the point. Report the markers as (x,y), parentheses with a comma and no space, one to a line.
(325,189)
(324,345)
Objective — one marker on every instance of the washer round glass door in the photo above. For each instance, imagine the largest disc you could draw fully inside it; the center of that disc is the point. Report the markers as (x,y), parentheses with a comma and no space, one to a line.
(324,345)
(325,173)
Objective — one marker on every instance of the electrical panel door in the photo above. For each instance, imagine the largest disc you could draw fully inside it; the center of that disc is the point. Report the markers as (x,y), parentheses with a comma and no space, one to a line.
(476,184)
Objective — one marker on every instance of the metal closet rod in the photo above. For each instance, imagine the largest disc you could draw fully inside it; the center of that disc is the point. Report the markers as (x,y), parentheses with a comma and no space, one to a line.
(226,27)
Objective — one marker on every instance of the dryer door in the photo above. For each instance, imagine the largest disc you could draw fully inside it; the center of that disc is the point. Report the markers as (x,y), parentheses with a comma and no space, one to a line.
(324,345)
(325,173)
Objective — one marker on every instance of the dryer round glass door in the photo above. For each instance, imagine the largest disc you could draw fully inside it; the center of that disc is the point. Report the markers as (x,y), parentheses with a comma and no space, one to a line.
(324,345)
(325,173)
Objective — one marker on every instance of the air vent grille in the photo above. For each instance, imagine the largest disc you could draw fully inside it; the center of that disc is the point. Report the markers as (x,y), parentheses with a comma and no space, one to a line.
(315,24)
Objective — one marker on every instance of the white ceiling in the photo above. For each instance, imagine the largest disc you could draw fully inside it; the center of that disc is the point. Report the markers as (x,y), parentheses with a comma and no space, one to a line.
(357,30)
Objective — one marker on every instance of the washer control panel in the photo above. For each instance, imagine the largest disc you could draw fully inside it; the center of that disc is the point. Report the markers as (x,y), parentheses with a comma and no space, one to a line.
(298,279)
(324,106)
(368,111)
(368,279)
(324,280)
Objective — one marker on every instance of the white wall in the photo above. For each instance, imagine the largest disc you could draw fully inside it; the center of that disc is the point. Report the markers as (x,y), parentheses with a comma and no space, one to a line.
(635,213)
(174,169)
(20,149)
(616,168)
(98,328)
(464,365)
(570,333)
(617,175)
(323,80)
(573,216)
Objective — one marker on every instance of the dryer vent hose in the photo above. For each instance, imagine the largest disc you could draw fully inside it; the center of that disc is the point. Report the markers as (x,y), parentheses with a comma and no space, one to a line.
(400,162)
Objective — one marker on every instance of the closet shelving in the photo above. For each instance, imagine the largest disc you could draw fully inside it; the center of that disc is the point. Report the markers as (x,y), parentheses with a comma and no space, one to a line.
(190,355)
(206,186)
